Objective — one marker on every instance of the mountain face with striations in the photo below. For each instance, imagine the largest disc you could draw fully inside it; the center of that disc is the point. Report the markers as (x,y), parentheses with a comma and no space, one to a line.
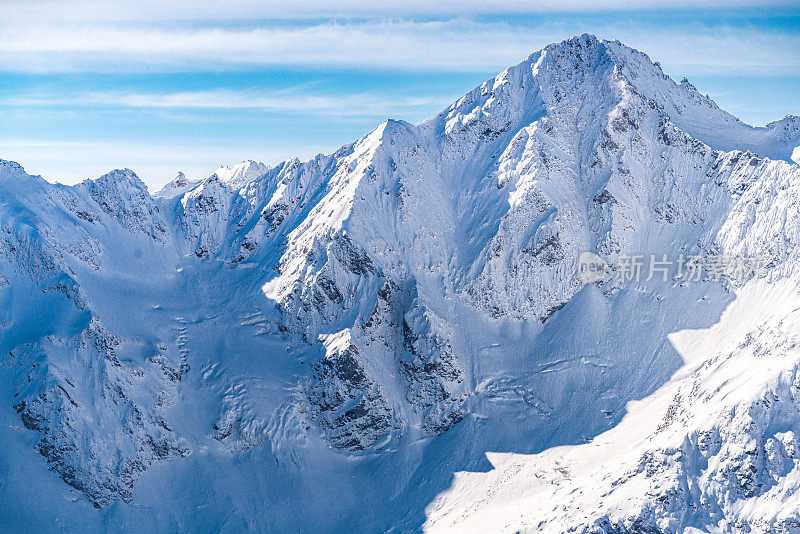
(397,336)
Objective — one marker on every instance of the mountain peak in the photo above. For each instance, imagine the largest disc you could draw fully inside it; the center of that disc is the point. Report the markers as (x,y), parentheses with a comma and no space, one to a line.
(242,173)
(179,185)
(607,66)
(584,40)
(13,174)
(119,178)
(12,165)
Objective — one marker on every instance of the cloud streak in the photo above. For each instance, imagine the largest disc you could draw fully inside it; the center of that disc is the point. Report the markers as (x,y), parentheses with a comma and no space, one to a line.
(62,11)
(453,45)
(285,101)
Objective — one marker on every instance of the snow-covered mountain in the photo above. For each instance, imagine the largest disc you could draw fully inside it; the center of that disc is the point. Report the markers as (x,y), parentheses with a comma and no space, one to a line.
(396,336)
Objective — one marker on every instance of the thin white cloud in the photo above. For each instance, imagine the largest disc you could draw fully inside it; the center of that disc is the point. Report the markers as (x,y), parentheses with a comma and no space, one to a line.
(389,44)
(453,45)
(289,101)
(159,11)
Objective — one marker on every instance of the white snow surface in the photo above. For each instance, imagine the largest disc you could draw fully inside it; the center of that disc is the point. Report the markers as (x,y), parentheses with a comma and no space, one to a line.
(394,337)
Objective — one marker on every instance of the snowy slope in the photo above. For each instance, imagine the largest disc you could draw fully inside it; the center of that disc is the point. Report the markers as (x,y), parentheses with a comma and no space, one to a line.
(395,336)
(715,448)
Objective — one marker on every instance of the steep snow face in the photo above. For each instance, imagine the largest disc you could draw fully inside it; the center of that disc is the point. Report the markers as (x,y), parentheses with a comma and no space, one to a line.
(100,421)
(715,448)
(93,400)
(122,195)
(205,211)
(367,323)
(697,114)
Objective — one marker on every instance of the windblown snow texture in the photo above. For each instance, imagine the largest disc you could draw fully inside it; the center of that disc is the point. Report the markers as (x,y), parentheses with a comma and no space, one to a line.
(394,336)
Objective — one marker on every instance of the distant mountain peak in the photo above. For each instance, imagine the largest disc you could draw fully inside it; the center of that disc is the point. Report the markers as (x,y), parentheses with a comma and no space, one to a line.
(119,178)
(241,173)
(13,165)
(178,185)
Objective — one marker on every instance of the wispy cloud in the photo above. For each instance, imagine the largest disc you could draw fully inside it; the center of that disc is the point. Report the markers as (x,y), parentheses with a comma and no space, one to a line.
(62,11)
(457,44)
(289,101)
(454,44)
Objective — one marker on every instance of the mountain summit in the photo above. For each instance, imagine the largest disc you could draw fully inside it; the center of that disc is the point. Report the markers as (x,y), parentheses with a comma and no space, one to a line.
(402,335)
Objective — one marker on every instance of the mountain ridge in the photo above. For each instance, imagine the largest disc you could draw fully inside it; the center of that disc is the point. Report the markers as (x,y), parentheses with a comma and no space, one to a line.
(373,323)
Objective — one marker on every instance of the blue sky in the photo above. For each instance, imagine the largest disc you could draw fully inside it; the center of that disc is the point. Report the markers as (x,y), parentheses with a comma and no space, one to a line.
(87,86)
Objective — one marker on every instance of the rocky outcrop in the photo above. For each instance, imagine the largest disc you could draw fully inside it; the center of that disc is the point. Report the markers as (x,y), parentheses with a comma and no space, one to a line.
(123,196)
(89,410)
(346,401)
